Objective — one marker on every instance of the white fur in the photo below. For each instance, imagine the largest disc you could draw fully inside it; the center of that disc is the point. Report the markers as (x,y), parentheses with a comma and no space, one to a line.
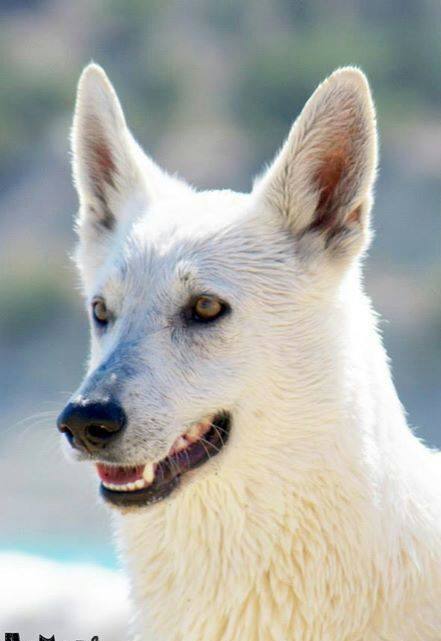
(321,518)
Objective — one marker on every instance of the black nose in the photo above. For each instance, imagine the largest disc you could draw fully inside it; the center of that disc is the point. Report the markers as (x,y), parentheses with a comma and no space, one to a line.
(91,425)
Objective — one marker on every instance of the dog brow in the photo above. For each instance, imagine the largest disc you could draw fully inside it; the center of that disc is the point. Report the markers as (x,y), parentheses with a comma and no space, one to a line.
(186,272)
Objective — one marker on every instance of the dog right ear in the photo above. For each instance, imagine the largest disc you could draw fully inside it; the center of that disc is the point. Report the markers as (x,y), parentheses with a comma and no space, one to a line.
(115,180)
(321,182)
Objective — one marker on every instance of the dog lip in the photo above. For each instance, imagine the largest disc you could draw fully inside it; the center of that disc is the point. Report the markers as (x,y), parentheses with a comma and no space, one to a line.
(139,498)
(168,471)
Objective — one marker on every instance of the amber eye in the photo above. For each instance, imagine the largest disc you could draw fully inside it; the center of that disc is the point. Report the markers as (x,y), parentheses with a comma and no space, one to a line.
(207,308)
(100,312)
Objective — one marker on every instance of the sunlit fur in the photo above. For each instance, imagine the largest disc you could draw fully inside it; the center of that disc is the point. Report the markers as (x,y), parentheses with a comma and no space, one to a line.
(321,518)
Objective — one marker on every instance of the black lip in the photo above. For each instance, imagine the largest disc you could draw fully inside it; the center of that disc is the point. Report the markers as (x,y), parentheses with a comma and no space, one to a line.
(170,469)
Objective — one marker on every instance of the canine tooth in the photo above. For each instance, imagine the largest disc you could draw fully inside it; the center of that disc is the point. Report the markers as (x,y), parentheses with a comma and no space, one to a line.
(194,431)
(180,444)
(149,473)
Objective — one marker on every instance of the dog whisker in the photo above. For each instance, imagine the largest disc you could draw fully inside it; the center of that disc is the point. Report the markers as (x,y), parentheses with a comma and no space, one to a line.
(219,431)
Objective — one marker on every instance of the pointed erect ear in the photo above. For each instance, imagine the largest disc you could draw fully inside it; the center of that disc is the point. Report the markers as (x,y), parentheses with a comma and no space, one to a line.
(321,181)
(115,180)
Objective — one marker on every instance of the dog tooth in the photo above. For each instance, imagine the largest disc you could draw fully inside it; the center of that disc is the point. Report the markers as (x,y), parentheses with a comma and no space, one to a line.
(180,444)
(139,484)
(149,473)
(194,431)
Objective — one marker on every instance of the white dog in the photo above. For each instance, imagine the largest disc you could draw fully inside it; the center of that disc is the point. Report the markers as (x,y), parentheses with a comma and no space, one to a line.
(236,325)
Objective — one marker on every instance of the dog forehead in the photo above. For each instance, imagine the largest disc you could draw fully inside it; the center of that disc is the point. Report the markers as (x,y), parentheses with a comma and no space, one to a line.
(186,231)
(203,240)
(193,215)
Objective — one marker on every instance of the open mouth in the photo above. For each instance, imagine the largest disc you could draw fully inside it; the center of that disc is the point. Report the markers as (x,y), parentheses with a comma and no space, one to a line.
(142,485)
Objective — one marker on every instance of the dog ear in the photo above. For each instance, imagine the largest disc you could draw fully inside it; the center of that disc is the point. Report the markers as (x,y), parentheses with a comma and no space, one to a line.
(115,180)
(321,181)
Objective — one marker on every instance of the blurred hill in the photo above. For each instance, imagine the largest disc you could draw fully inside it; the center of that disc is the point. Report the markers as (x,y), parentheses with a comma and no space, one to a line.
(210,89)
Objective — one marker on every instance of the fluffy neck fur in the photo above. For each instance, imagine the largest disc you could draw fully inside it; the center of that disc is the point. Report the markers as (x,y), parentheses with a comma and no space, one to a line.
(309,509)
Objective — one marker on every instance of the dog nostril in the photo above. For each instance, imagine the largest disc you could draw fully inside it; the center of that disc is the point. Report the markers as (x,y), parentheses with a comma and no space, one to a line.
(99,432)
(67,432)
(91,425)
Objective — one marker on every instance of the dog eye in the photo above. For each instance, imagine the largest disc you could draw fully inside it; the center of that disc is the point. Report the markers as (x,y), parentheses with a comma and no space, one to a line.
(207,308)
(100,312)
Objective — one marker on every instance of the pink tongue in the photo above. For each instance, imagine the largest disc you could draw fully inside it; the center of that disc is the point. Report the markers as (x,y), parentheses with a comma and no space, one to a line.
(119,475)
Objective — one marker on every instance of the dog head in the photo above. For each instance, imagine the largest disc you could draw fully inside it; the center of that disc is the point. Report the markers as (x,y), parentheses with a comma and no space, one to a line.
(209,311)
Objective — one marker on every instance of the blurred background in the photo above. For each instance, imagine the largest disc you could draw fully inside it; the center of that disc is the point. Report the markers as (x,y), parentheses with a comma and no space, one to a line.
(210,88)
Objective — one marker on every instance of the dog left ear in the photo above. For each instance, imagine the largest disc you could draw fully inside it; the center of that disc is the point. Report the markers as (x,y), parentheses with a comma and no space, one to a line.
(321,181)
(115,179)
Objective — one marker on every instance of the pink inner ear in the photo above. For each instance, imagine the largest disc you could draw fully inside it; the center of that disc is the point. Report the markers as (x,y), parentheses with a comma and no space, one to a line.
(104,168)
(327,179)
(354,216)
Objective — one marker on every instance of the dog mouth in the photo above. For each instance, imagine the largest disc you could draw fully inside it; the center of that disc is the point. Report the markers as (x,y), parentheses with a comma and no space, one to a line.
(141,485)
